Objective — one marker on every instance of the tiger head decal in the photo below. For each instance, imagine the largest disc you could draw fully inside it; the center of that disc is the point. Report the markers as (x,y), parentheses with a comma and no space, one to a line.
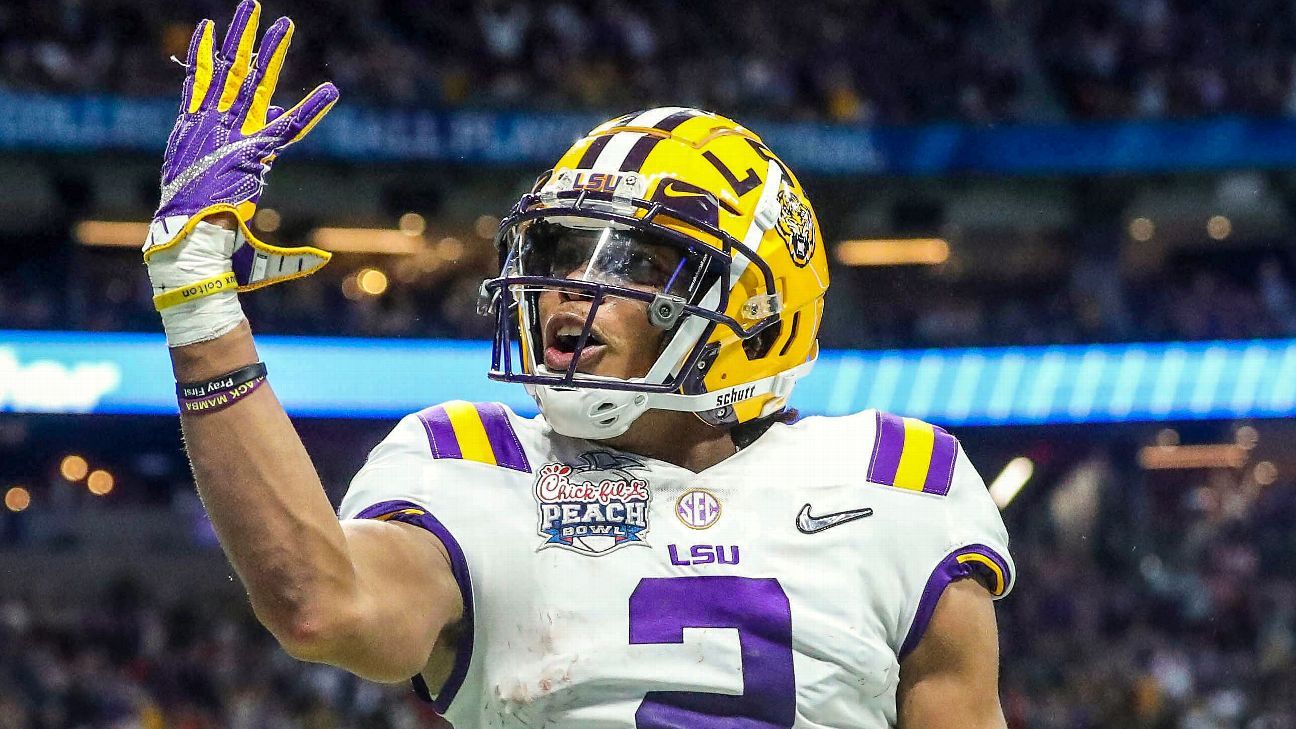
(796,225)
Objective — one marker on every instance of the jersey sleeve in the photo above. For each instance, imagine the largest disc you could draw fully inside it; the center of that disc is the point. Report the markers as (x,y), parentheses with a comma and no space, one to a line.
(955,531)
(416,475)
(432,452)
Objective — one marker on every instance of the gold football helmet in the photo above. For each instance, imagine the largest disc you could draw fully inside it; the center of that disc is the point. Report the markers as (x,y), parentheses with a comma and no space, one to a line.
(740,301)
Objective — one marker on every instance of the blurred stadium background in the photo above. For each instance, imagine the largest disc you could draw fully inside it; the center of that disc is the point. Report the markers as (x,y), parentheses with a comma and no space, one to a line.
(1062,228)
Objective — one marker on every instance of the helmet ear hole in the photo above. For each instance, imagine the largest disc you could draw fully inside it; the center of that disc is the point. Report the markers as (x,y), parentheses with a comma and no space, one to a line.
(761,344)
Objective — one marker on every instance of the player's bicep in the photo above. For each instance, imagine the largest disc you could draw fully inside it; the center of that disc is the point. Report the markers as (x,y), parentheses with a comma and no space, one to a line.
(952,676)
(408,597)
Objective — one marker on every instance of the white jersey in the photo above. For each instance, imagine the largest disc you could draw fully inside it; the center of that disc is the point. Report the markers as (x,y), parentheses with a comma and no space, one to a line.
(778,588)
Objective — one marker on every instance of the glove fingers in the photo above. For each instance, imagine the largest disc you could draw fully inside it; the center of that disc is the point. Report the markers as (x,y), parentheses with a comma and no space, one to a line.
(274,112)
(246,16)
(237,51)
(260,88)
(299,120)
(199,63)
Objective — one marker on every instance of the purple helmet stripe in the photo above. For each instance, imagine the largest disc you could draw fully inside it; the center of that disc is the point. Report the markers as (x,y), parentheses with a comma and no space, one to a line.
(592,152)
(941,473)
(887,446)
(503,439)
(676,119)
(441,434)
(638,154)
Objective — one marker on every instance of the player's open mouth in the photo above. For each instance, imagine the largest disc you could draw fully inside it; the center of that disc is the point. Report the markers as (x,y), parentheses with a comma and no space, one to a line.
(561,341)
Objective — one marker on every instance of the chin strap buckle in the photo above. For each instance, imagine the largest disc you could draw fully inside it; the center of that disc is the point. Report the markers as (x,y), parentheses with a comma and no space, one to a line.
(486,300)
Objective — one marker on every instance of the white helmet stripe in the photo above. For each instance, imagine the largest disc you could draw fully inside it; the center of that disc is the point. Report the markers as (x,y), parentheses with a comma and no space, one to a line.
(610,159)
(653,117)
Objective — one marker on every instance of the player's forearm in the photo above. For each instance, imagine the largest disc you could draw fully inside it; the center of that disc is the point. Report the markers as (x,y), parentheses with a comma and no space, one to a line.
(265,500)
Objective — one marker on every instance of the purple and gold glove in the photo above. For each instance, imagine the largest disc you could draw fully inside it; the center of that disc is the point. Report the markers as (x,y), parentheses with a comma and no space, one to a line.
(222,146)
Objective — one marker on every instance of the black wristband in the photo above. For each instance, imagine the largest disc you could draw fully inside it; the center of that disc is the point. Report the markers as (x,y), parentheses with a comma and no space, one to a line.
(195,390)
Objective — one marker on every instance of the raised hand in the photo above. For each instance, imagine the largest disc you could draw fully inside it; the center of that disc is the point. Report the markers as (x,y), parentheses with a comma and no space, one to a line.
(224,141)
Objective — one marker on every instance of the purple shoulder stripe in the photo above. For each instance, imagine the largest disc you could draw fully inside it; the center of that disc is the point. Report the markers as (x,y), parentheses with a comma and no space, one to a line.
(887,446)
(950,570)
(503,439)
(940,475)
(441,434)
(411,513)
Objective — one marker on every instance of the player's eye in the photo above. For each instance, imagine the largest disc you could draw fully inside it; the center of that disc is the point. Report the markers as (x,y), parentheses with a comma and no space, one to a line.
(567,256)
(648,267)
(617,257)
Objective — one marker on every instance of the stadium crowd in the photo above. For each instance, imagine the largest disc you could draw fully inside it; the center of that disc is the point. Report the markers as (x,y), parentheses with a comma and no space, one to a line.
(974,60)
(1139,605)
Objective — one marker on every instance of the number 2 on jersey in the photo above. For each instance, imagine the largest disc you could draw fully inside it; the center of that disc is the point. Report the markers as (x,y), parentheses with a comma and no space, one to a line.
(662,607)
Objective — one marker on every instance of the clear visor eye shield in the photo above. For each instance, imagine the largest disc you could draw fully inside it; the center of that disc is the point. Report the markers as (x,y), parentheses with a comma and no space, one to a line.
(594,248)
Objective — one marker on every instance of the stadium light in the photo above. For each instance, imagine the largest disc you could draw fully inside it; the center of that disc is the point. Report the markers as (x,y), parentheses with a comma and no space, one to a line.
(17,499)
(1265,473)
(382,241)
(1246,437)
(486,226)
(1010,481)
(1142,229)
(1219,227)
(73,468)
(372,281)
(110,234)
(412,224)
(267,219)
(893,252)
(1177,457)
(100,483)
(451,248)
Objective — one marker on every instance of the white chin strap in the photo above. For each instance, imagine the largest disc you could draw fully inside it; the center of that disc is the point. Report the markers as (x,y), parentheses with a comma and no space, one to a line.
(599,414)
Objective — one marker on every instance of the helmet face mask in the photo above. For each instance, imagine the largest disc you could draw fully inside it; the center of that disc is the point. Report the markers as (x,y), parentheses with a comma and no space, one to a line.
(666,241)
(593,247)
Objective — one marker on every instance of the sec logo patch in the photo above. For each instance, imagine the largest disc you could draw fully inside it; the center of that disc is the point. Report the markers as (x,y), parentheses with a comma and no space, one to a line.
(698,509)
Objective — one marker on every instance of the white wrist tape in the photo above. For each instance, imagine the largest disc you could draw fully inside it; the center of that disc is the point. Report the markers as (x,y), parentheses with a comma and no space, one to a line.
(194,287)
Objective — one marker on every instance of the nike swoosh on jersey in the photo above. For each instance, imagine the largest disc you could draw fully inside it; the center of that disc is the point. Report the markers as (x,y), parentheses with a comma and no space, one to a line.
(810,524)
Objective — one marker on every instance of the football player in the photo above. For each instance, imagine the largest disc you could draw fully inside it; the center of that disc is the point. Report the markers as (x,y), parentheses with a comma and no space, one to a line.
(665,545)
